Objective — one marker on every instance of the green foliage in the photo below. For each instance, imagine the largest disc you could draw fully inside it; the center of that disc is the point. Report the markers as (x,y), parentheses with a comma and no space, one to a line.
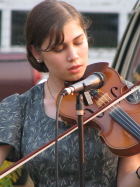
(10,178)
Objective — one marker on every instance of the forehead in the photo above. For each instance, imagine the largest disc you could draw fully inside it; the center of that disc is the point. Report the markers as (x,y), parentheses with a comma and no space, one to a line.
(72,29)
(71,26)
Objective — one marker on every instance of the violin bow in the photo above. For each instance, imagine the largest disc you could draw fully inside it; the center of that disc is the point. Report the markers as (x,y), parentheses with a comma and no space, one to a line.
(67,132)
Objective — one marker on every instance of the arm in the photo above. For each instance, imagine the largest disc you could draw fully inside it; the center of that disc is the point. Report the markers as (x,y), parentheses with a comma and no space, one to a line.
(127,171)
(4,150)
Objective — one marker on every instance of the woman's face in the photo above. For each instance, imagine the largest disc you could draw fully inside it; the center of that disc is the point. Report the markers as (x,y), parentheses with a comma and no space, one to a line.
(68,60)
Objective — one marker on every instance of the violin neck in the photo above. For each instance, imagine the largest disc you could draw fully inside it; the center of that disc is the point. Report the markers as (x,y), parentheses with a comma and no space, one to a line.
(123,119)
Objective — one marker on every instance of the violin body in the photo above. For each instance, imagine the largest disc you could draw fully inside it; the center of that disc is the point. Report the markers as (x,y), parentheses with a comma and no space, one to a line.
(120,140)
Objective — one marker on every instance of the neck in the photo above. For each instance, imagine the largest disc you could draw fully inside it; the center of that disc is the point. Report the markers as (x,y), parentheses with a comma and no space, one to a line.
(53,88)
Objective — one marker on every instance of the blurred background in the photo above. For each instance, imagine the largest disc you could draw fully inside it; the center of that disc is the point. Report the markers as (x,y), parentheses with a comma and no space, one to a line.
(109,18)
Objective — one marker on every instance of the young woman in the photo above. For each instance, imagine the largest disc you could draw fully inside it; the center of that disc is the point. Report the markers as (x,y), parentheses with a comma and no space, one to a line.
(57,43)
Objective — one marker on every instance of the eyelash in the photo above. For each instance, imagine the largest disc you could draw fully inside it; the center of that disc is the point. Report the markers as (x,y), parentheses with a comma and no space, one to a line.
(58,51)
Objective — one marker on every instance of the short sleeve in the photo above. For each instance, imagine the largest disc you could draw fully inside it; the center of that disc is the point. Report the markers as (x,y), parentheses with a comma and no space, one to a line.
(11,125)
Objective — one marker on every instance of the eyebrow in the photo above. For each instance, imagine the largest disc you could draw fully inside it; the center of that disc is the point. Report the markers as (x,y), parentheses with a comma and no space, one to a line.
(78,36)
(52,46)
(74,38)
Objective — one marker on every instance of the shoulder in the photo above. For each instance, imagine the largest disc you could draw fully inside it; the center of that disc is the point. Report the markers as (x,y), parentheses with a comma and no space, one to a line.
(17,100)
(128,83)
(134,97)
(34,92)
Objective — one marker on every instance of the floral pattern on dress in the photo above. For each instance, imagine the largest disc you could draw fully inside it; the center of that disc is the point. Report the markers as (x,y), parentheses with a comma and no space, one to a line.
(25,126)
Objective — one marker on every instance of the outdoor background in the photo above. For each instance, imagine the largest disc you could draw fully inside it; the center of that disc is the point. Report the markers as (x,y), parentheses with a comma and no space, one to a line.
(109,18)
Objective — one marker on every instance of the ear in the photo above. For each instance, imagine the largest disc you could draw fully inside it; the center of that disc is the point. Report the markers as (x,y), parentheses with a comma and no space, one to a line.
(35,52)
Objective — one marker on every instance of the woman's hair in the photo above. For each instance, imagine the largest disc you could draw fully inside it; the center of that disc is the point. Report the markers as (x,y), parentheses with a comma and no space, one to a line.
(46,20)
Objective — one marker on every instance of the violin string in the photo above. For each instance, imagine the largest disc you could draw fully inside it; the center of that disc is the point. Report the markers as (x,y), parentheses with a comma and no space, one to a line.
(116,107)
(108,100)
(130,121)
(119,114)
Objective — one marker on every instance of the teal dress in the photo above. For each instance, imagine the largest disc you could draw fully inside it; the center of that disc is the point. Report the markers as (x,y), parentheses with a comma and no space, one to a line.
(25,126)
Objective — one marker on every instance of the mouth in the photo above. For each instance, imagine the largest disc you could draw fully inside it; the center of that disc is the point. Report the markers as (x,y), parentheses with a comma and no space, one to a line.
(75,69)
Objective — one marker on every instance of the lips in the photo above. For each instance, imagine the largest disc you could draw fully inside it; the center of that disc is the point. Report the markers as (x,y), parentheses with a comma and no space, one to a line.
(75,69)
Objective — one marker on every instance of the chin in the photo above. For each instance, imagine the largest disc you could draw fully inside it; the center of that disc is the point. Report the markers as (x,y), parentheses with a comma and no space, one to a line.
(76,78)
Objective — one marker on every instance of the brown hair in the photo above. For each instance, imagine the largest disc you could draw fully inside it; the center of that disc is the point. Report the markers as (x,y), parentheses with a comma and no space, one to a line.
(46,20)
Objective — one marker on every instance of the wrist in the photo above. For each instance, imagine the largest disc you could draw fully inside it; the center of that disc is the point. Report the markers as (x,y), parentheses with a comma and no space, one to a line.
(138,172)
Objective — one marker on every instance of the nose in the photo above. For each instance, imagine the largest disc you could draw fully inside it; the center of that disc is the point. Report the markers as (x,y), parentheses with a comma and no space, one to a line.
(72,54)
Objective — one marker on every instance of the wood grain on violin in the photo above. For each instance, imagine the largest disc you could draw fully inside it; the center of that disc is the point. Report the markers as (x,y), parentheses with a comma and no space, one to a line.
(116,119)
(119,125)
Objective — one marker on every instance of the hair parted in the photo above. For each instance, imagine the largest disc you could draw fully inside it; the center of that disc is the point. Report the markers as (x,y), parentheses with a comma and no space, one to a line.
(46,20)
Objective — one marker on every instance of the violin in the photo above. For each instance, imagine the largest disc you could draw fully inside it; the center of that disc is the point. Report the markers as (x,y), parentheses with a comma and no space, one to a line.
(119,125)
(116,118)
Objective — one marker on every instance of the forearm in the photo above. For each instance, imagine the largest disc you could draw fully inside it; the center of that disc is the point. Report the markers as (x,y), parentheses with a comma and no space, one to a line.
(127,167)
(130,180)
(4,150)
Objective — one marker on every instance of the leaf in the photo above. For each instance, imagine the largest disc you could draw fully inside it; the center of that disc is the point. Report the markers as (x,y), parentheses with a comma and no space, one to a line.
(12,177)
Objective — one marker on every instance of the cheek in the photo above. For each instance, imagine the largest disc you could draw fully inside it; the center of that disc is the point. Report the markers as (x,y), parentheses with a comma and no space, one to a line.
(51,60)
(54,64)
(84,50)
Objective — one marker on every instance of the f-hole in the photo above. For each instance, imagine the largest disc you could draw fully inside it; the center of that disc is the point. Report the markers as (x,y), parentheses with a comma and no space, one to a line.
(92,112)
(112,91)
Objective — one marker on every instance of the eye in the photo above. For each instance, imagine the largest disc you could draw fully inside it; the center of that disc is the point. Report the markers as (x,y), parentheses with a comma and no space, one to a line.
(58,48)
(79,41)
